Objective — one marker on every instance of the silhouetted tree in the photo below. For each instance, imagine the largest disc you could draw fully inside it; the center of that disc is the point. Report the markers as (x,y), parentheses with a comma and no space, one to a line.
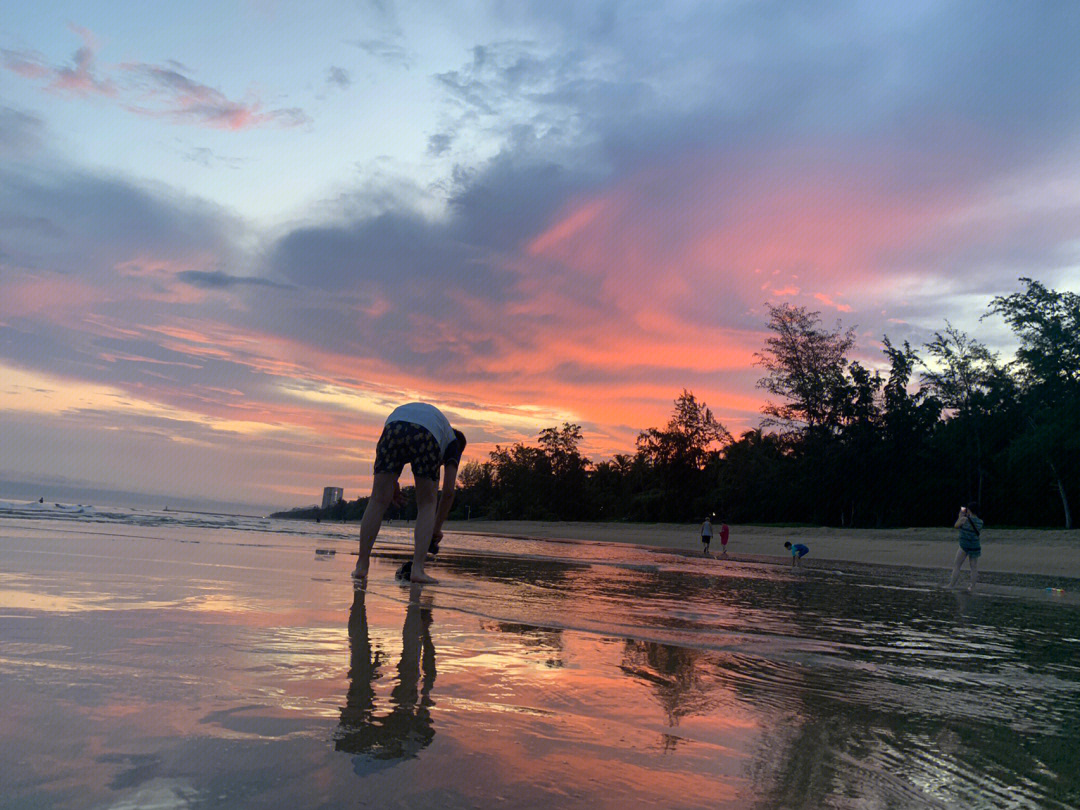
(806,368)
(962,370)
(679,454)
(1048,365)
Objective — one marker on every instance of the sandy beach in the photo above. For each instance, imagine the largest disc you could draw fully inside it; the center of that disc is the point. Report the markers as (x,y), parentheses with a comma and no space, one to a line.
(1018,551)
(174,660)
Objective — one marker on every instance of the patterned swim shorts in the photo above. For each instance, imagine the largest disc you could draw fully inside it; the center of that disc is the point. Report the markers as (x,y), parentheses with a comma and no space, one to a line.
(404,443)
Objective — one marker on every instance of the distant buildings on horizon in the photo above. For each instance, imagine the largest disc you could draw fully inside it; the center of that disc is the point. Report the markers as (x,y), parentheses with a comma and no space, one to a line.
(331,496)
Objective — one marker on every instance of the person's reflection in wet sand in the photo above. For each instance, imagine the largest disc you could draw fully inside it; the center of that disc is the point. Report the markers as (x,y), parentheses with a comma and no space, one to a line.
(380,742)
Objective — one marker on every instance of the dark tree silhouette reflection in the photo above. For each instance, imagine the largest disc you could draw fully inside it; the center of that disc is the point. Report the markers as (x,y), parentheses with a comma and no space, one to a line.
(677,674)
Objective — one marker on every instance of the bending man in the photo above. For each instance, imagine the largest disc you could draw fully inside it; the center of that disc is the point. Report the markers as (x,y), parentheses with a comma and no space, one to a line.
(420,435)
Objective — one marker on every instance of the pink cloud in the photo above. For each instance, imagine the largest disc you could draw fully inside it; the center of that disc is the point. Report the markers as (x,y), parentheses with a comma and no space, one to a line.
(701,228)
(659,278)
(578,218)
(79,78)
(153,91)
(26,65)
(167,93)
(49,298)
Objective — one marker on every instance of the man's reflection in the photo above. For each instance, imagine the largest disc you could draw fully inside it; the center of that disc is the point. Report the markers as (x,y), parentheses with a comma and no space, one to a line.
(401,734)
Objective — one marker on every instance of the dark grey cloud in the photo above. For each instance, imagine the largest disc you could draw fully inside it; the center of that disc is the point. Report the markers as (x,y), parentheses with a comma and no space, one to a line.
(643,80)
(21,133)
(491,210)
(208,158)
(388,48)
(218,280)
(39,225)
(107,221)
(439,144)
(500,75)
(339,77)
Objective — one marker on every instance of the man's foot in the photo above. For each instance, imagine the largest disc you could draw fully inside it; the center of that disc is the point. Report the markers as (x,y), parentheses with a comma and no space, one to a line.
(421,578)
(359,575)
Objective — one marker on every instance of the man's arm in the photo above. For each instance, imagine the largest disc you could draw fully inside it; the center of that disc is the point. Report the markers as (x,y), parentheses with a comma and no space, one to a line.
(446,497)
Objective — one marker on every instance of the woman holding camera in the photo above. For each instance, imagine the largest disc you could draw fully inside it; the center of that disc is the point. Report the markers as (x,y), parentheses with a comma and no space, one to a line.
(970,525)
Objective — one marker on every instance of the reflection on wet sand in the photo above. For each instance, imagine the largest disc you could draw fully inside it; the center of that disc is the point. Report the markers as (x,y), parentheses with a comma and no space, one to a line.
(381,741)
(836,685)
(674,673)
(540,638)
(204,681)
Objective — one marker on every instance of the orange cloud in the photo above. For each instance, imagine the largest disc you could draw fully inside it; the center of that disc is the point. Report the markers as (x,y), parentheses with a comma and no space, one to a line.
(827,301)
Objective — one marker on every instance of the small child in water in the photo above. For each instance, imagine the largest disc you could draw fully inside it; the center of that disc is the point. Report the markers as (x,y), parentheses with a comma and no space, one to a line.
(798,551)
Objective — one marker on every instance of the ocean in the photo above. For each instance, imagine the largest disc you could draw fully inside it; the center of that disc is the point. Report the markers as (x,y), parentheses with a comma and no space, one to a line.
(176,659)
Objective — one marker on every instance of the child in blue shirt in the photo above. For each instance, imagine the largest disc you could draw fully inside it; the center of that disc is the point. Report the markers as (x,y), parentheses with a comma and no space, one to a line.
(798,551)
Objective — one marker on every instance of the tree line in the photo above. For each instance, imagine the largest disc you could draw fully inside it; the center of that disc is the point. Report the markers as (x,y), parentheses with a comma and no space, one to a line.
(839,444)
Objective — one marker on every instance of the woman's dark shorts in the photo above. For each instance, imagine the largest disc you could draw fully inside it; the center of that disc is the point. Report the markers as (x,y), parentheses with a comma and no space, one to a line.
(404,443)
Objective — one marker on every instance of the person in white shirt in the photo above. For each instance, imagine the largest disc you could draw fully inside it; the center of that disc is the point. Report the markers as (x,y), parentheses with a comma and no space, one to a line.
(419,435)
(706,535)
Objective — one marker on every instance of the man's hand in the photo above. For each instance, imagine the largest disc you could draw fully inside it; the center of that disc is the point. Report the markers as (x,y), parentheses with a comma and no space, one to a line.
(399,497)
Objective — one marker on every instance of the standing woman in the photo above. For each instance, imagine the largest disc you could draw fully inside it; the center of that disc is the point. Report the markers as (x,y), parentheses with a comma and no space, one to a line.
(970,525)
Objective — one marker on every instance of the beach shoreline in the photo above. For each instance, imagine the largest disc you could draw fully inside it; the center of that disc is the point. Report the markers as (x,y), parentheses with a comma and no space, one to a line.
(1046,552)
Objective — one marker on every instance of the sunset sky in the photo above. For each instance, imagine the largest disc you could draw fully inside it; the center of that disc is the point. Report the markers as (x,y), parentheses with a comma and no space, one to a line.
(234,235)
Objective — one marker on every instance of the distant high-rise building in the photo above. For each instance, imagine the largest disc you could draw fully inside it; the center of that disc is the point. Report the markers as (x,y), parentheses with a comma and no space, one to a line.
(330,496)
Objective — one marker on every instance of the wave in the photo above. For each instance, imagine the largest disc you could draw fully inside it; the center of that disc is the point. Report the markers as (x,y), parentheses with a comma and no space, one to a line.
(161,518)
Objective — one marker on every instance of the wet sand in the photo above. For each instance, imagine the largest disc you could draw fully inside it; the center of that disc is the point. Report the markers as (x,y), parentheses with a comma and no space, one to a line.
(169,666)
(1016,551)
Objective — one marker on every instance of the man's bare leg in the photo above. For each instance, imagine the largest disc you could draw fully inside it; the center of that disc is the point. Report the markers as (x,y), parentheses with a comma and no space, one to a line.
(382,492)
(427,492)
(974,563)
